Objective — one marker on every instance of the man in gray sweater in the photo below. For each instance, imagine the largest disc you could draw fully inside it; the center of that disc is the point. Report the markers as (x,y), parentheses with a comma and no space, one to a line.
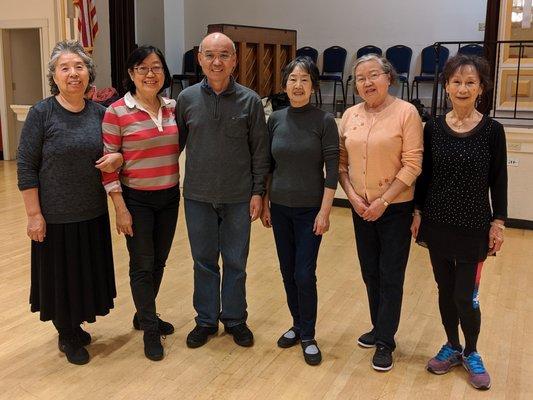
(223,126)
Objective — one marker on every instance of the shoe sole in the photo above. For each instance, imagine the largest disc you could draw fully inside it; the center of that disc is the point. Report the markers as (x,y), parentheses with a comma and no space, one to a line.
(365,345)
(285,346)
(312,362)
(382,369)
(155,358)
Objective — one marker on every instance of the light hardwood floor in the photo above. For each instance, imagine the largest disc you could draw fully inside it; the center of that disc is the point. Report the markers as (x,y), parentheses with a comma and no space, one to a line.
(31,367)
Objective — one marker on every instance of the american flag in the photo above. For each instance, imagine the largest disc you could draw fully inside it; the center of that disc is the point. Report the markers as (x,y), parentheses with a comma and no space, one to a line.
(87,23)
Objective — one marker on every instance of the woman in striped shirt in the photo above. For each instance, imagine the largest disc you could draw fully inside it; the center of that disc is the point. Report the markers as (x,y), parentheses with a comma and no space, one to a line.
(145,192)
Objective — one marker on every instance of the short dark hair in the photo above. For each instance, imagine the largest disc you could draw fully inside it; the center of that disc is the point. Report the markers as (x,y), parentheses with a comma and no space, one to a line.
(307,65)
(136,57)
(459,61)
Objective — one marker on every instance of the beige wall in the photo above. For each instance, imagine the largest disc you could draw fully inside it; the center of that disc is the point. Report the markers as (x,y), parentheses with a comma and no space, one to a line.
(102,46)
(40,14)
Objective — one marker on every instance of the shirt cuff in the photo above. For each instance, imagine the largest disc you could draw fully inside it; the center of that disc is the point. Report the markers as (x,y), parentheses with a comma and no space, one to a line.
(113,187)
(406,177)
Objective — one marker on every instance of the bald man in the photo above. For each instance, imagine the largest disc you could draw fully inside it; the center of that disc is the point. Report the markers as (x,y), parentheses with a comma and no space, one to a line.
(223,126)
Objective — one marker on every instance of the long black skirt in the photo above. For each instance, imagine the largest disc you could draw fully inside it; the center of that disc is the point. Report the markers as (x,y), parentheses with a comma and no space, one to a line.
(72,275)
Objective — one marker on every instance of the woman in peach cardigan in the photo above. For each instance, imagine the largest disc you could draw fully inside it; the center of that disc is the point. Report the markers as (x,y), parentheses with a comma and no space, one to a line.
(380,158)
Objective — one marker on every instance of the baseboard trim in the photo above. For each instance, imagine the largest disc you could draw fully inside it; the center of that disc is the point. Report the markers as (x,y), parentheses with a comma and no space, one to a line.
(510,223)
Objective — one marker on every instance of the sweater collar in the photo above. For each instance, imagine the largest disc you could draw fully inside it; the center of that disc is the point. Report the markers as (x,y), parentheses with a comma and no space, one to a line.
(302,109)
(229,90)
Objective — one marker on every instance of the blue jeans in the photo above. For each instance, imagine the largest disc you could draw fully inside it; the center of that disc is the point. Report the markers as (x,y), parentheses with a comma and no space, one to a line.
(219,230)
(297,248)
(383,250)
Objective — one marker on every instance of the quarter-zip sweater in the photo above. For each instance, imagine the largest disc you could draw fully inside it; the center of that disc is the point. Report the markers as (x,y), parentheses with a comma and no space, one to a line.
(376,148)
(226,143)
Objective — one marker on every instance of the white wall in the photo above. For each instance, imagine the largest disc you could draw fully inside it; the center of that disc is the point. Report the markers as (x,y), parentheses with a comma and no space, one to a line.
(174,35)
(348,23)
(149,23)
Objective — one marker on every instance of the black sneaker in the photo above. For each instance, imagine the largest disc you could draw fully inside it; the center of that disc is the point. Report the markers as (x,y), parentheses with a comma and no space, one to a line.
(311,359)
(199,335)
(242,335)
(71,346)
(285,342)
(153,349)
(83,337)
(382,360)
(165,328)
(367,340)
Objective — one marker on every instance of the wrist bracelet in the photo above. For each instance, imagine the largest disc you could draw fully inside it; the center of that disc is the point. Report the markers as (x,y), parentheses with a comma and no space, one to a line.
(385,202)
(498,225)
(417,212)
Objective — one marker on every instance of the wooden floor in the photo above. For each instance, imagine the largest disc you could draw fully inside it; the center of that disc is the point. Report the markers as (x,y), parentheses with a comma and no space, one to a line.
(31,367)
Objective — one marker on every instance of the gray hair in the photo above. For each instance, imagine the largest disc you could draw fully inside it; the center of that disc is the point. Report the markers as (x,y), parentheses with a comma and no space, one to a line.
(74,47)
(385,65)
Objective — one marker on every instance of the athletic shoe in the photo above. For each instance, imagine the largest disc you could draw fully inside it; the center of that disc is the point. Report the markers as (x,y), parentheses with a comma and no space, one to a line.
(479,377)
(382,360)
(446,359)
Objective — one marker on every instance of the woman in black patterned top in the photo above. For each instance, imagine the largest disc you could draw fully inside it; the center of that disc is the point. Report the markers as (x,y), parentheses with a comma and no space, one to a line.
(464,164)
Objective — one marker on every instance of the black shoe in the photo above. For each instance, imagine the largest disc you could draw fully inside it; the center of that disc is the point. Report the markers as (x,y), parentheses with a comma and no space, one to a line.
(242,335)
(367,340)
(382,360)
(311,359)
(284,342)
(71,346)
(83,337)
(199,335)
(153,349)
(165,328)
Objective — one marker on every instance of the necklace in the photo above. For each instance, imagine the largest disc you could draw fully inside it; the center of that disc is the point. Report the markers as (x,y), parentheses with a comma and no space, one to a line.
(151,109)
(465,122)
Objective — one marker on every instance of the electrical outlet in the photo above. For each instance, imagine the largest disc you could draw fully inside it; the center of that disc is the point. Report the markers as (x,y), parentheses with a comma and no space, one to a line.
(481,26)
(512,162)
(514,146)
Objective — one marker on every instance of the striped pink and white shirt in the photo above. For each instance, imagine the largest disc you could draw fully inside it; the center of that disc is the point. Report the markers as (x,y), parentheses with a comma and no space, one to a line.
(150,146)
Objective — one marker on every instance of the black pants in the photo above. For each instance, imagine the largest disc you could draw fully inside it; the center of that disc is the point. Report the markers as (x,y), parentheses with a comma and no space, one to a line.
(383,250)
(154,214)
(458,284)
(297,248)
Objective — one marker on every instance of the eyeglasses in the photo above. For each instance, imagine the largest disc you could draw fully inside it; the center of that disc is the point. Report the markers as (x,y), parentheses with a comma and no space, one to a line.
(372,77)
(468,85)
(209,56)
(143,70)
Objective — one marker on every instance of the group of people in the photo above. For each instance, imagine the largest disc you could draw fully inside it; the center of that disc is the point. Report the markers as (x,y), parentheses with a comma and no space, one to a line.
(240,168)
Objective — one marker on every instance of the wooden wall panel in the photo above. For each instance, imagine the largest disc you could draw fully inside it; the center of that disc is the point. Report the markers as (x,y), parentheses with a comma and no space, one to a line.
(261,55)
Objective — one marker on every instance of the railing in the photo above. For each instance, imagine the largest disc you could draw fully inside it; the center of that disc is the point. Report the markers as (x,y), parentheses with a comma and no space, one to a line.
(491,48)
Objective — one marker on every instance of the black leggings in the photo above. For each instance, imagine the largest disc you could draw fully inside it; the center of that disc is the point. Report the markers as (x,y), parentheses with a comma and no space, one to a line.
(458,284)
